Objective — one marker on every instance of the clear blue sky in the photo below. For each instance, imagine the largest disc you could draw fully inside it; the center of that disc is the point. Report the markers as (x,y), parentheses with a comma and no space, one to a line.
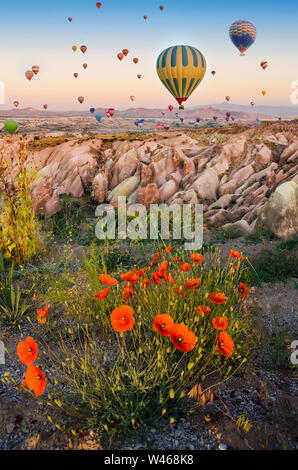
(37,32)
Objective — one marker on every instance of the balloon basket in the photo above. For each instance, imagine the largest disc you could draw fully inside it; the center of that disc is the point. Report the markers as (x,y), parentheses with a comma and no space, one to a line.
(181,106)
(242,55)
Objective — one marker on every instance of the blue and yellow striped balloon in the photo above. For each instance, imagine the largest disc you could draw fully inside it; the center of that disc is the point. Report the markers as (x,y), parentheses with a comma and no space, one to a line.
(181,69)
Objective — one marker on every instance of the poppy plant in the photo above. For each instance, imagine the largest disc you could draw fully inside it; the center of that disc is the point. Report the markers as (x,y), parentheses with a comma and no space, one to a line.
(193,284)
(185,267)
(163,324)
(225,344)
(155,258)
(131,276)
(122,318)
(42,314)
(127,294)
(236,254)
(27,351)
(108,280)
(163,267)
(167,276)
(168,249)
(156,278)
(217,298)
(182,338)
(179,292)
(102,294)
(243,289)
(203,309)
(35,380)
(145,283)
(220,323)
(197,258)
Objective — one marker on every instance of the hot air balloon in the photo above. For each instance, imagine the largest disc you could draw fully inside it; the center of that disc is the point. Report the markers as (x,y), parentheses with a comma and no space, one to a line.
(92,110)
(120,56)
(98,4)
(85,66)
(35,69)
(228,114)
(132,98)
(264,64)
(243,35)
(125,52)
(166,128)
(181,69)
(83,49)
(170,107)
(264,92)
(213,72)
(198,119)
(111,111)
(139,75)
(215,118)
(81,99)
(145,17)
(11,126)
(75,75)
(233,119)
(136,60)
(29,74)
(228,98)
(108,114)
(16,103)
(98,117)
(161,7)
(45,106)
(252,103)
(163,113)
(181,119)
(70,19)
(74,48)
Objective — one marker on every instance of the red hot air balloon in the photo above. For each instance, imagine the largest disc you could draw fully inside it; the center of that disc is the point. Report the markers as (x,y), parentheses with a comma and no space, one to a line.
(98,4)
(139,75)
(35,69)
(136,60)
(16,103)
(83,49)
(111,111)
(75,75)
(70,19)
(120,56)
(45,106)
(170,107)
(29,74)
(252,103)
(108,114)
(145,17)
(125,52)
(228,114)
(264,64)
(85,66)
(161,7)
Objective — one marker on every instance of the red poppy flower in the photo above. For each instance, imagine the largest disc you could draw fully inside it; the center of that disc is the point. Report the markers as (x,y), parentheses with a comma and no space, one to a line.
(35,380)
(185,267)
(27,351)
(179,292)
(102,294)
(176,260)
(163,323)
(192,284)
(220,323)
(145,283)
(122,318)
(167,276)
(127,294)
(182,338)
(163,267)
(156,278)
(225,344)
(197,258)
(236,254)
(168,249)
(243,289)
(203,309)
(217,298)
(141,272)
(42,314)
(108,280)
(131,276)
(155,258)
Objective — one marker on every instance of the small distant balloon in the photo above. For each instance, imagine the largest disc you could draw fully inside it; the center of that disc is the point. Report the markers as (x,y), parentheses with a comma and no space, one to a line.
(45,106)
(228,98)
(74,48)
(70,19)
(120,56)
(136,60)
(252,103)
(35,69)
(215,118)
(83,49)
(264,92)
(198,119)
(170,107)
(132,98)
(161,7)
(85,66)
(11,127)
(98,116)
(139,75)
(125,52)
(16,103)
(228,114)
(111,111)
(98,4)
(75,75)
(213,72)
(243,35)
(81,99)
(145,17)
(264,64)
(29,74)
(92,110)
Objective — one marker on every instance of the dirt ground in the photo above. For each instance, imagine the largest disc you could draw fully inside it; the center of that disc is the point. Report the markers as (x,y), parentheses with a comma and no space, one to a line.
(265,394)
